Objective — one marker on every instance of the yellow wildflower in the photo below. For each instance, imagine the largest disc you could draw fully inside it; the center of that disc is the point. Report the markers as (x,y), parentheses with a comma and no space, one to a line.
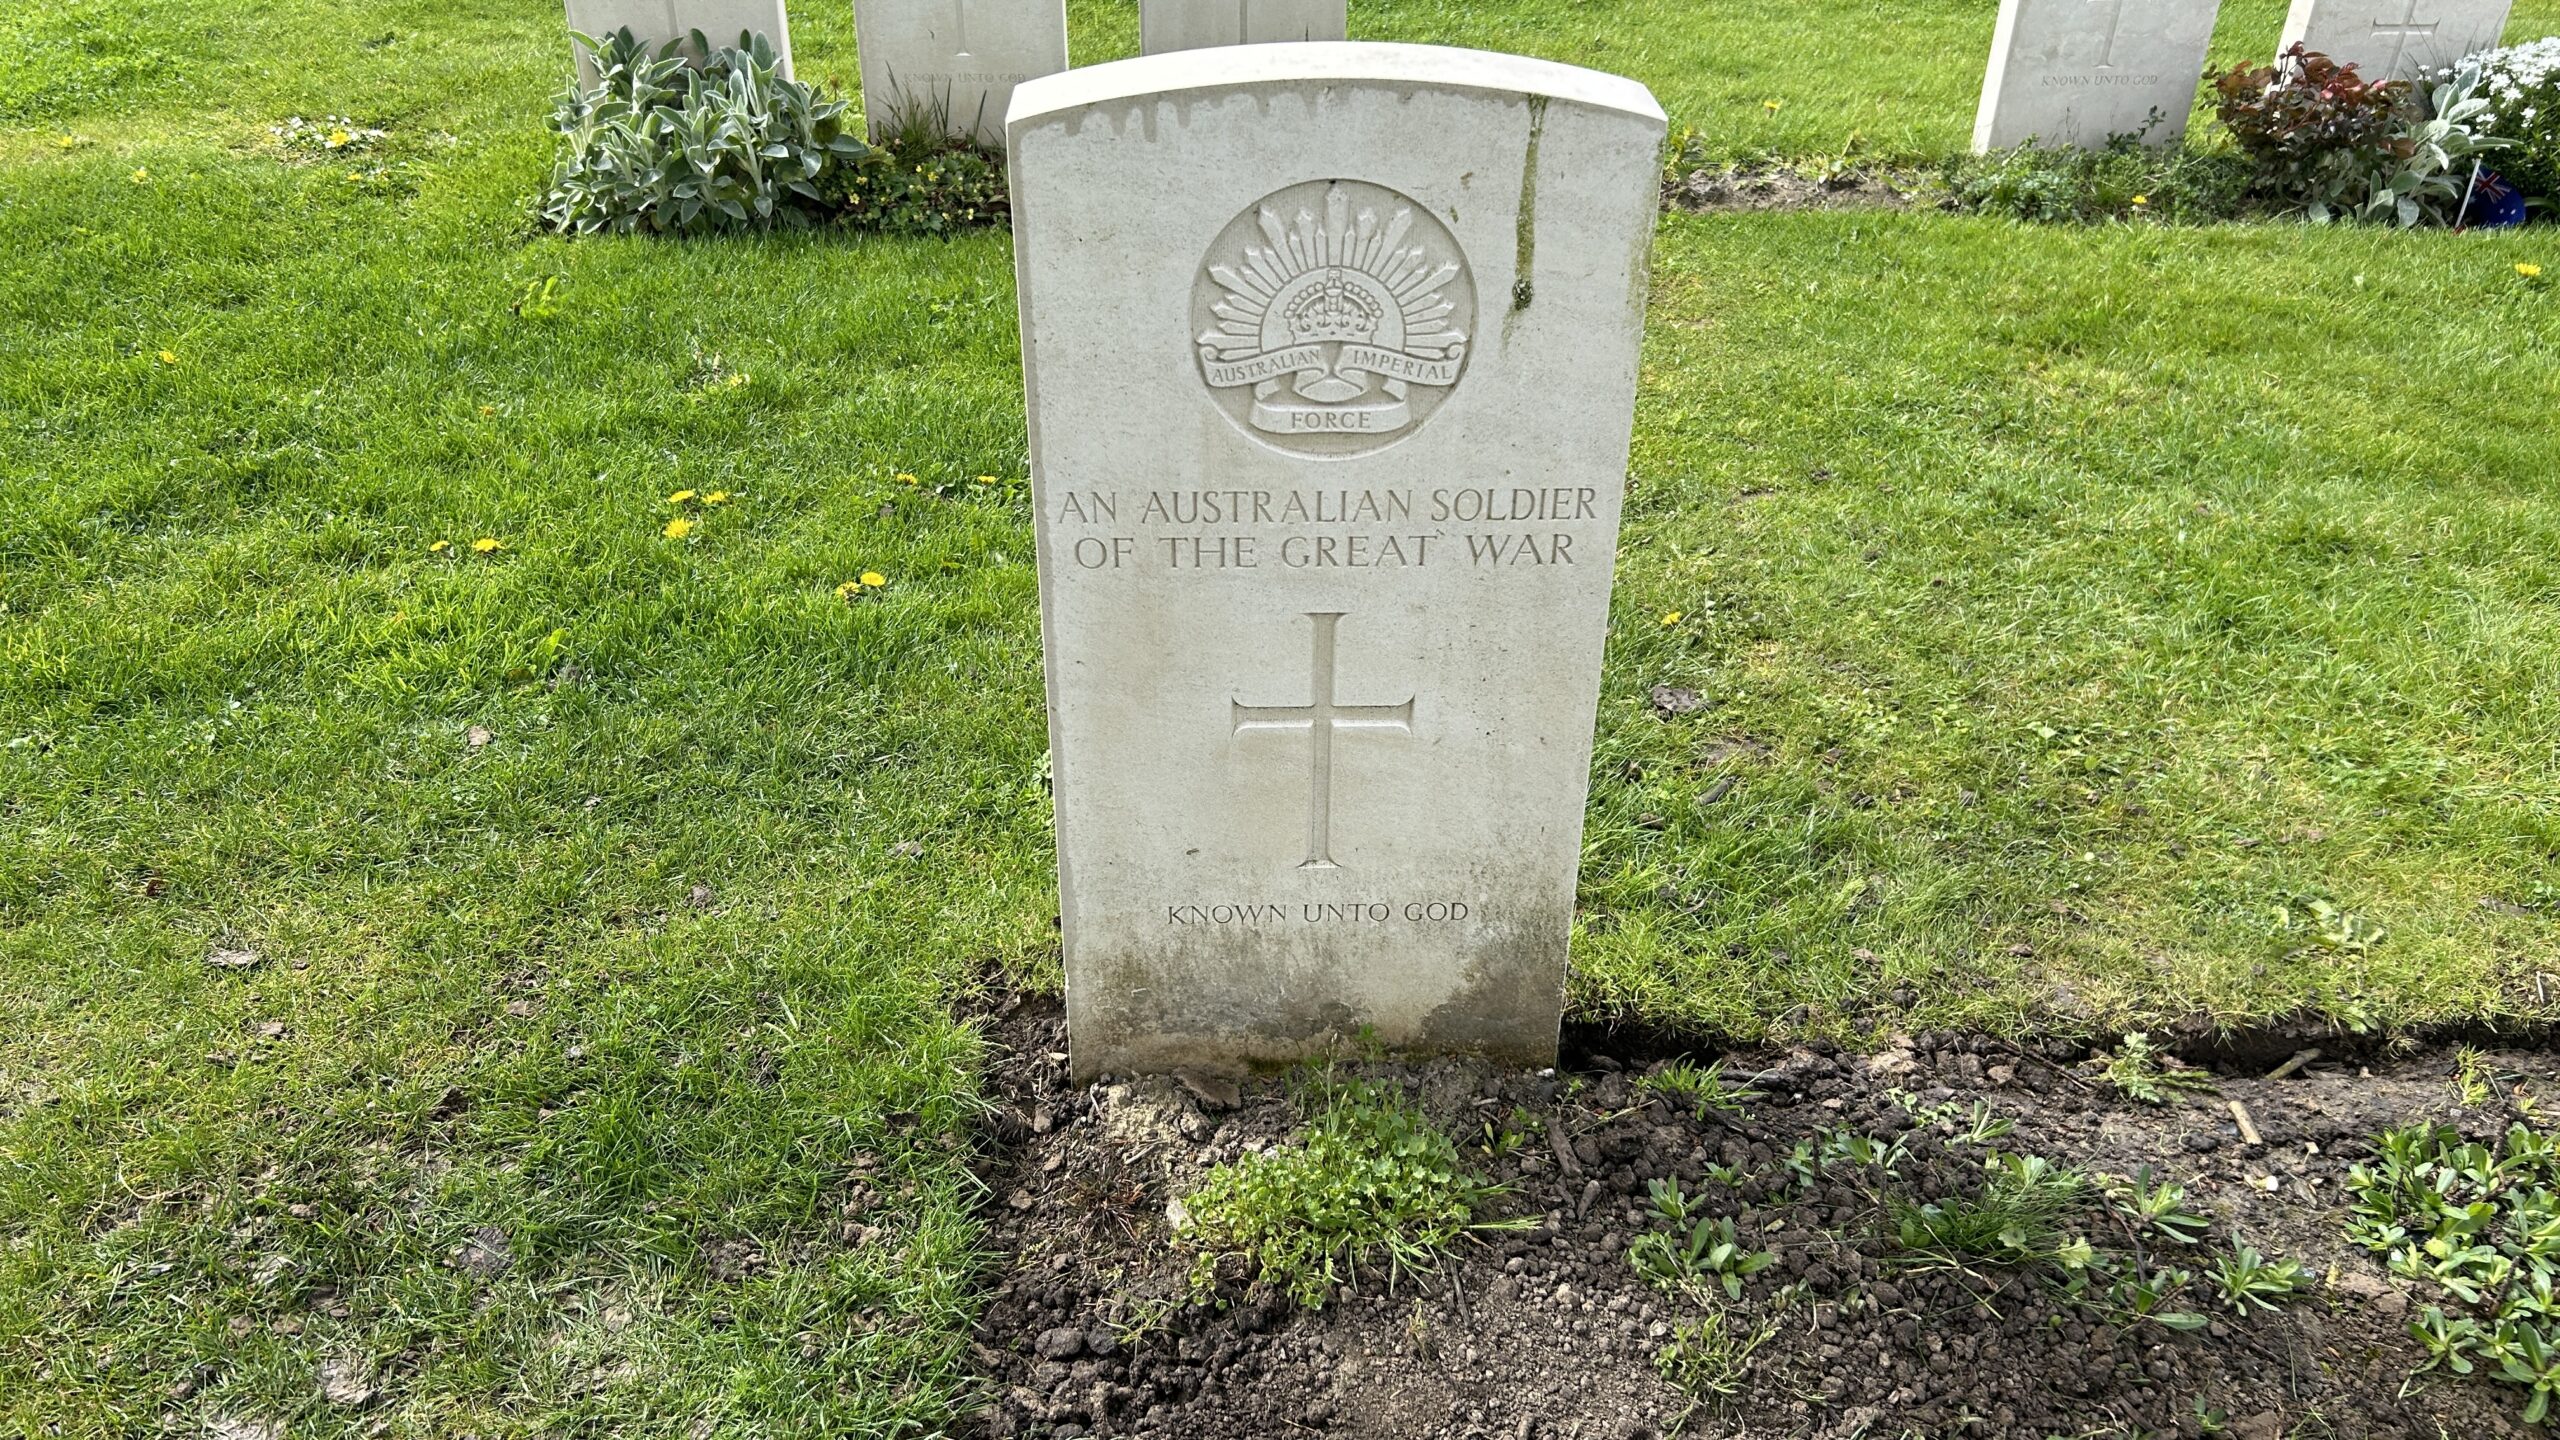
(439,547)
(848,589)
(986,479)
(679,497)
(1772,106)
(874,579)
(2141,199)
(678,528)
(142,175)
(67,142)
(905,478)
(486,545)
(716,497)
(488,409)
(168,357)
(2528,270)
(1670,618)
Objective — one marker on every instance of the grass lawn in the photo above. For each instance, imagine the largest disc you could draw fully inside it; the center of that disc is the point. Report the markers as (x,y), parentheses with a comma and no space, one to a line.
(2070,602)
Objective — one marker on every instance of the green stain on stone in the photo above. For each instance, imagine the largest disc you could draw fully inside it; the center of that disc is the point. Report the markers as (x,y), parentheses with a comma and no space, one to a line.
(1526,250)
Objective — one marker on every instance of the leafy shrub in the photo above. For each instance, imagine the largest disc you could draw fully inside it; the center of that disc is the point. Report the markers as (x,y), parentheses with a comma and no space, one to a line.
(2430,178)
(656,144)
(2126,180)
(927,183)
(2520,86)
(1374,1179)
(2315,131)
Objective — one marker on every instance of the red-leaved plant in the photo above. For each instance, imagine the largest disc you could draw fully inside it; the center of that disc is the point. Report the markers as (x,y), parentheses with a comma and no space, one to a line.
(2315,130)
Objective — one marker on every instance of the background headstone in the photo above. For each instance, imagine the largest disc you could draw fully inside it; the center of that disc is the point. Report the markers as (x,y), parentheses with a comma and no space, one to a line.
(2081,72)
(1330,353)
(2395,39)
(1198,24)
(955,60)
(659,21)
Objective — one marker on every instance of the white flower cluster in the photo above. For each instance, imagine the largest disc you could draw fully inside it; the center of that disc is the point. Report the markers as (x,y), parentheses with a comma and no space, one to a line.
(2517,81)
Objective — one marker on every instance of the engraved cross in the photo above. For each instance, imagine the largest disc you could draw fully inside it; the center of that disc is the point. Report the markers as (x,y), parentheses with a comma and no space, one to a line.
(1320,717)
(2115,26)
(2402,31)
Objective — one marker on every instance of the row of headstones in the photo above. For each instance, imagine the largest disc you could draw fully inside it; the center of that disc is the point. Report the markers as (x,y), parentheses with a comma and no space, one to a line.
(2082,72)
(952,64)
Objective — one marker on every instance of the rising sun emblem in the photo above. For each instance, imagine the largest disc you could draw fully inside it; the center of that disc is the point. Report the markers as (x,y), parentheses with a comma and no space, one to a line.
(1333,316)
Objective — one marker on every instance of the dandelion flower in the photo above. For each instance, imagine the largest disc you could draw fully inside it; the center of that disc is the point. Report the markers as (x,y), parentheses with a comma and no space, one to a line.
(142,175)
(439,547)
(168,357)
(2529,270)
(716,497)
(874,579)
(1670,618)
(488,409)
(486,545)
(678,528)
(679,497)
(1772,106)
(338,138)
(848,589)
(2141,199)
(906,479)
(986,479)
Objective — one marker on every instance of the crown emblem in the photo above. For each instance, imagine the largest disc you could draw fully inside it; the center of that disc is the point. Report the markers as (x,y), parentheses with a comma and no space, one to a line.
(1340,317)
(1335,310)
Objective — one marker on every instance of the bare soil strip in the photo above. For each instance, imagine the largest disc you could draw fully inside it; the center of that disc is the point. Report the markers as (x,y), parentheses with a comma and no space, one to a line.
(1548,1333)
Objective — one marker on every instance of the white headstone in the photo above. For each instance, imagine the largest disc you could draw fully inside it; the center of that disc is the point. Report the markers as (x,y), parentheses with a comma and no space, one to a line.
(2081,72)
(2395,39)
(659,21)
(1331,360)
(955,61)
(1198,24)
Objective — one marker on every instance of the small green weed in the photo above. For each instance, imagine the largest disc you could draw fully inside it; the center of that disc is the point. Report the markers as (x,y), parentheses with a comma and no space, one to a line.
(2014,1219)
(1844,1149)
(2140,1071)
(1510,1134)
(2032,1216)
(2321,925)
(2152,1293)
(2249,1281)
(1668,1201)
(1710,1249)
(1374,1180)
(2474,1078)
(2160,1208)
(1708,1358)
(537,299)
(1977,1124)
(1702,1086)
